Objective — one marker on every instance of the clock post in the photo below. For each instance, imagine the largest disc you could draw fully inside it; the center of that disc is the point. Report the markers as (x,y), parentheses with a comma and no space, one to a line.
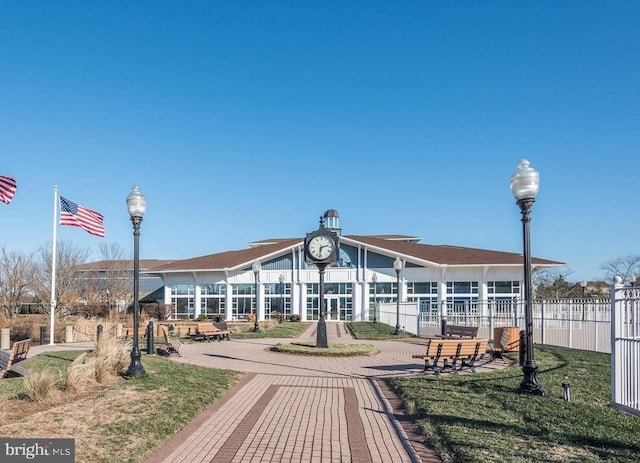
(321,248)
(321,332)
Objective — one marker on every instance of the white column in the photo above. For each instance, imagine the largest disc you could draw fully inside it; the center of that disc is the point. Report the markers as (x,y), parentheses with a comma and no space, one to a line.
(302,302)
(197,304)
(260,300)
(228,302)
(364,300)
(483,295)
(442,296)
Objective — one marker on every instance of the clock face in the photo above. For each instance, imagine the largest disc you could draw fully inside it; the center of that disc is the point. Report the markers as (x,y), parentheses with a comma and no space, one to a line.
(320,247)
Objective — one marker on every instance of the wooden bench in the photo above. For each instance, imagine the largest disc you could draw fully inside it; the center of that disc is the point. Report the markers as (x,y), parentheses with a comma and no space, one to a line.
(9,357)
(170,346)
(452,353)
(222,326)
(497,349)
(127,332)
(458,331)
(207,331)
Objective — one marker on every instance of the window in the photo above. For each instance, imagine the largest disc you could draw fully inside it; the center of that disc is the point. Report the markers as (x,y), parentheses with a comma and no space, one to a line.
(503,296)
(426,293)
(278,299)
(182,301)
(213,300)
(462,298)
(242,300)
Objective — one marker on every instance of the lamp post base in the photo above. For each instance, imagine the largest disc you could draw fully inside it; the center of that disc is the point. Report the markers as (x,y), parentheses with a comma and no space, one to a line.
(135,367)
(321,334)
(530,383)
(256,327)
(397,331)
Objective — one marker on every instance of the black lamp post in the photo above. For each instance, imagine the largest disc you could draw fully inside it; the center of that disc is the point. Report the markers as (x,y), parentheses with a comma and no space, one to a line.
(281,280)
(397,265)
(136,204)
(524,186)
(374,280)
(256,267)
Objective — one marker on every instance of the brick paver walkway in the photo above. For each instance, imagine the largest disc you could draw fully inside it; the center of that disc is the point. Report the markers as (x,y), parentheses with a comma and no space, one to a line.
(295,409)
(300,409)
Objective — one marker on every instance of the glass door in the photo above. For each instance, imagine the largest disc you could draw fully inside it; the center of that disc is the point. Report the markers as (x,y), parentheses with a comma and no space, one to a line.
(332,303)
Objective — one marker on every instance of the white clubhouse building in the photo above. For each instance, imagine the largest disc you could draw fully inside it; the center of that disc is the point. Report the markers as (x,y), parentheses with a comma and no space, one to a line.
(225,286)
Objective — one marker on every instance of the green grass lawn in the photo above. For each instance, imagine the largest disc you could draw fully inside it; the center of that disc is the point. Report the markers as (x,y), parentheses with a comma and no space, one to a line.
(160,403)
(479,417)
(379,331)
(332,350)
(281,330)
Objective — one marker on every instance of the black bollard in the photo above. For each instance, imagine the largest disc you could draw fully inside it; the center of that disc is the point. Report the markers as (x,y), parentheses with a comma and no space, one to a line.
(42,331)
(523,347)
(99,333)
(150,344)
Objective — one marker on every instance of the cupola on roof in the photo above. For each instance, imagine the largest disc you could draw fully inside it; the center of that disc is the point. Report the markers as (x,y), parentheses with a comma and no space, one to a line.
(332,220)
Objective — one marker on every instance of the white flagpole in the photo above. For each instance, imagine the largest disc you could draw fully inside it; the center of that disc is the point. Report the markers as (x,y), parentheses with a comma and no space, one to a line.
(54,251)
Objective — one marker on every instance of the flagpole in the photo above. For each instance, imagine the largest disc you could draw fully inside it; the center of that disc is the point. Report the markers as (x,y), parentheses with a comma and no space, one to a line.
(54,251)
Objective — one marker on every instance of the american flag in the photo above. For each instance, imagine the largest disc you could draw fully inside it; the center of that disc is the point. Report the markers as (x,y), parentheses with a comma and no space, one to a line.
(78,216)
(7,189)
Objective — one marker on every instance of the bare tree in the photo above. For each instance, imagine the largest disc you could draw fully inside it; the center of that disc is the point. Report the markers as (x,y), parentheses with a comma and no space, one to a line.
(116,272)
(17,276)
(69,289)
(622,267)
(554,284)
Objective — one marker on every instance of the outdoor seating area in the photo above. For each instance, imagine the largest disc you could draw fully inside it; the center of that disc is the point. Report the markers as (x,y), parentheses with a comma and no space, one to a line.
(497,349)
(452,353)
(457,331)
(8,358)
(208,331)
(170,346)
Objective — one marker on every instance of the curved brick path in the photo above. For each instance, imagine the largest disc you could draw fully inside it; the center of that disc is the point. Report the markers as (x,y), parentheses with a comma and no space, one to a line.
(295,409)
(301,409)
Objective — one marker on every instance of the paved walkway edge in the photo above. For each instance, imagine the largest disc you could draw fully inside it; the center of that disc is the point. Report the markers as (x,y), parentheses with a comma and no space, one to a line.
(174,442)
(412,436)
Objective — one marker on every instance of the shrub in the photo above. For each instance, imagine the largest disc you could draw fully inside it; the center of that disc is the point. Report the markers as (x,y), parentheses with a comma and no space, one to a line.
(78,375)
(294,318)
(107,362)
(39,385)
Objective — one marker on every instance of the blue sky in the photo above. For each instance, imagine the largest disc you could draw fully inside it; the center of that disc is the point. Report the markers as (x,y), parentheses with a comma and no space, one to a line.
(246,120)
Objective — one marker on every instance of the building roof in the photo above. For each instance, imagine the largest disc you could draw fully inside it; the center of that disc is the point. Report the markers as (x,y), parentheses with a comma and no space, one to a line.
(402,245)
(444,254)
(111,265)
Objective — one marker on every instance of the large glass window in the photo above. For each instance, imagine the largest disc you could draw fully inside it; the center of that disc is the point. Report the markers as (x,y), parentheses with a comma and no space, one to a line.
(182,301)
(462,298)
(503,296)
(213,300)
(344,310)
(277,300)
(426,293)
(242,300)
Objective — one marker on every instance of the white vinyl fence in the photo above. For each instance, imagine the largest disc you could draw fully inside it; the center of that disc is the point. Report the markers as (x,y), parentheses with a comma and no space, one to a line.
(625,354)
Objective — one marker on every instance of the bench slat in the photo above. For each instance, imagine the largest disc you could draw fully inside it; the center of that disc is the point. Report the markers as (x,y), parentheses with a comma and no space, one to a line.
(8,358)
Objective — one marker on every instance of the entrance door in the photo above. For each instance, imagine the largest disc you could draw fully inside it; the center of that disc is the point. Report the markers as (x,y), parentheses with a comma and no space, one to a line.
(332,303)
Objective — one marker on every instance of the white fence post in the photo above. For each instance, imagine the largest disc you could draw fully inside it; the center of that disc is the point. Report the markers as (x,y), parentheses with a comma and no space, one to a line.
(625,348)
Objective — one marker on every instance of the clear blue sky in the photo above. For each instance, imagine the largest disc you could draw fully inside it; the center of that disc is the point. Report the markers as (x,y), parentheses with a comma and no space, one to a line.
(246,120)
